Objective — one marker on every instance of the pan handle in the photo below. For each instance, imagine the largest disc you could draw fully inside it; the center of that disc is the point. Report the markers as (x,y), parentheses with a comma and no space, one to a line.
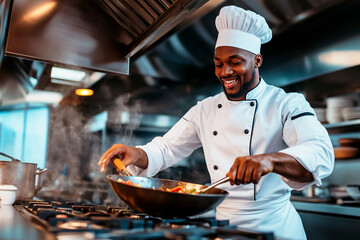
(38,176)
(40,171)
(12,159)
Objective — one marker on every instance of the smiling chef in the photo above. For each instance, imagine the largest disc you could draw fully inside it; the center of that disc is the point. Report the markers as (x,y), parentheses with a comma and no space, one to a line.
(266,141)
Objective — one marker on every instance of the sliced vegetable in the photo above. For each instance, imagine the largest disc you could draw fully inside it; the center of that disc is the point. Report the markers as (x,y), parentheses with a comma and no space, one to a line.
(129,182)
(177,189)
(191,190)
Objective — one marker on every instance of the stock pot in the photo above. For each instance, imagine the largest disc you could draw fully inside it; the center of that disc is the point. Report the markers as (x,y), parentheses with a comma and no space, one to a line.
(22,175)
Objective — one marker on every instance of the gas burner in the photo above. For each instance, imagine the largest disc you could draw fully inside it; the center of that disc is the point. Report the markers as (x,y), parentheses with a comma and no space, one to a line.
(138,215)
(73,220)
(195,222)
(118,210)
(78,225)
(61,216)
(176,225)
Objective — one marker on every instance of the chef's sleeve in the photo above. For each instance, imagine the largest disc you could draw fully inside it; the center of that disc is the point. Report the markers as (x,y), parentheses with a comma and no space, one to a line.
(163,152)
(309,142)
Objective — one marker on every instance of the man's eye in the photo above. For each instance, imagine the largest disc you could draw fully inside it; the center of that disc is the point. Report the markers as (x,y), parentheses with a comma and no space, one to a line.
(236,63)
(218,65)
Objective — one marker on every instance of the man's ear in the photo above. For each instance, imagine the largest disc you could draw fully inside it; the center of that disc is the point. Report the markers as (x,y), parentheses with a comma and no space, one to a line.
(258,60)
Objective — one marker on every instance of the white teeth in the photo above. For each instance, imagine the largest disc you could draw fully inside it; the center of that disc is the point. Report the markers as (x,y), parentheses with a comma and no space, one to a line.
(228,82)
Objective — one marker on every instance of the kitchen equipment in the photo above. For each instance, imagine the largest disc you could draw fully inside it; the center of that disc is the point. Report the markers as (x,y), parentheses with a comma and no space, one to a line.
(119,165)
(22,175)
(76,220)
(225,179)
(353,191)
(350,113)
(334,105)
(149,199)
(345,152)
(7,194)
(349,142)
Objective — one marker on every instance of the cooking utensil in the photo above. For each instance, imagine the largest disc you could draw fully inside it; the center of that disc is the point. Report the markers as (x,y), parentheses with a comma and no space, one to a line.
(22,175)
(149,199)
(225,179)
(117,163)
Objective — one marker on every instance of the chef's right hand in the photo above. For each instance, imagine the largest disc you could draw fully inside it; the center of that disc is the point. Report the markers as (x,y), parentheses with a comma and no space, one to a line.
(129,155)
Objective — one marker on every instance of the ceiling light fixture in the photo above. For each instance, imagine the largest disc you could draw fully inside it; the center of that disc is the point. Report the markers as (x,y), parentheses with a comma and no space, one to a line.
(84,92)
(341,58)
(67,74)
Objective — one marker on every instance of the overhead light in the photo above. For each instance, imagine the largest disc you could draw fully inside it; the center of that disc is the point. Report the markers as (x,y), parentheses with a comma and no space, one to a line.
(67,74)
(341,58)
(84,92)
(48,97)
(40,11)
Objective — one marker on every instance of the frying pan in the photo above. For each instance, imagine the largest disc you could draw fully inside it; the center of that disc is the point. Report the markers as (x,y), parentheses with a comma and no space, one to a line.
(165,204)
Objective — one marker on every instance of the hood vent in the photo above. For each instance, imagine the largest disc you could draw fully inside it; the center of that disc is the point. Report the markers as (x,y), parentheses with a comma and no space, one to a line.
(99,35)
(144,22)
(135,16)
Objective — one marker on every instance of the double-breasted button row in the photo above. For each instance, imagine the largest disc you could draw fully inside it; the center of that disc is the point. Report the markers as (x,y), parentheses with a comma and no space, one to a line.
(246,131)
(251,104)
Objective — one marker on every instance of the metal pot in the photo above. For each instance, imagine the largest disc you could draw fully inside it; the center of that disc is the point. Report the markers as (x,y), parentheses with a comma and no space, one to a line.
(22,175)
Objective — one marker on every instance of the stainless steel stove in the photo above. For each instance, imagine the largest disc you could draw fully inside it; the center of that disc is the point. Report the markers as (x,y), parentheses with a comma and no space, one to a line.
(72,220)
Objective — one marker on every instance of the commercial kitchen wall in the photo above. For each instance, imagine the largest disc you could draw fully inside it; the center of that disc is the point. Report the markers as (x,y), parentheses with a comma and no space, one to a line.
(24,134)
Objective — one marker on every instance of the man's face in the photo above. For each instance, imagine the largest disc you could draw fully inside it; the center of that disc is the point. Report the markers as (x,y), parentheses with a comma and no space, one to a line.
(235,69)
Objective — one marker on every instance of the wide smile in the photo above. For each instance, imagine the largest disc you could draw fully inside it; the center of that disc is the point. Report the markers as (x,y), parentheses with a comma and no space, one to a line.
(230,83)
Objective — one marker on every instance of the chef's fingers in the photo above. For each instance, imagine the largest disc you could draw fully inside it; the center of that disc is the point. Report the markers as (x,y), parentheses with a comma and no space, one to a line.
(257,173)
(233,171)
(248,175)
(243,164)
(117,149)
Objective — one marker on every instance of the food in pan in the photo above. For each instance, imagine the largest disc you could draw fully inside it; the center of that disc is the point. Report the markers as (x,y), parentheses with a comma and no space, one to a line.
(177,189)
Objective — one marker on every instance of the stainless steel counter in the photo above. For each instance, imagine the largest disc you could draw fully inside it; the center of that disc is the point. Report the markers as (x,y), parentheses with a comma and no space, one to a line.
(327,208)
(328,221)
(15,227)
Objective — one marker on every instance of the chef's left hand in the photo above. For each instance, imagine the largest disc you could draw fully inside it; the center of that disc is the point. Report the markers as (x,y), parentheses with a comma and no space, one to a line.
(249,169)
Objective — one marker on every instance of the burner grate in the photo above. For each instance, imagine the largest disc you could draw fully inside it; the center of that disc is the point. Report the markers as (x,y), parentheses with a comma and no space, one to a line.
(73,219)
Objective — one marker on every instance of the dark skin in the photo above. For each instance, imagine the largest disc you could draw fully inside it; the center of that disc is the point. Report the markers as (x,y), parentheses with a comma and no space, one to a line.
(238,72)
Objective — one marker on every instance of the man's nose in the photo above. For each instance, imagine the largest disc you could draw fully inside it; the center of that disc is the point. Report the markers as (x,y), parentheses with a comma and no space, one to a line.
(227,70)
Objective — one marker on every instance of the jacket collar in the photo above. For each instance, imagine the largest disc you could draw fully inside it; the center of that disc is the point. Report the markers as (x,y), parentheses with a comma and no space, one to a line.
(257,90)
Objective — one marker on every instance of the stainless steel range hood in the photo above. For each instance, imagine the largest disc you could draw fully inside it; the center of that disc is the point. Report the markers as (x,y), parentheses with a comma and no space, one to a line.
(99,35)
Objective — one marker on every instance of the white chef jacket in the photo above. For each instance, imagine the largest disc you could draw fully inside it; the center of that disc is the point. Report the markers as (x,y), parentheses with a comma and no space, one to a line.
(267,121)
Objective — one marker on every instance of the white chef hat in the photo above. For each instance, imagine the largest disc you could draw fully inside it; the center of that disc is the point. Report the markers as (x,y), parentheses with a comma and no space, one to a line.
(242,29)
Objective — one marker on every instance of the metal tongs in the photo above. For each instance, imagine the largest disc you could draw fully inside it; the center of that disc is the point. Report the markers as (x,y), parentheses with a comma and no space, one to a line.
(225,179)
(119,165)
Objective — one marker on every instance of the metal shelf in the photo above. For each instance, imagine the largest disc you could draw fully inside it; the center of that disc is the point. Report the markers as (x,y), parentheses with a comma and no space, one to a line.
(341,127)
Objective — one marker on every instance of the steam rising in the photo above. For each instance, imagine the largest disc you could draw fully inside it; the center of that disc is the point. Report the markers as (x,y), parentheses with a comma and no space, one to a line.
(74,151)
